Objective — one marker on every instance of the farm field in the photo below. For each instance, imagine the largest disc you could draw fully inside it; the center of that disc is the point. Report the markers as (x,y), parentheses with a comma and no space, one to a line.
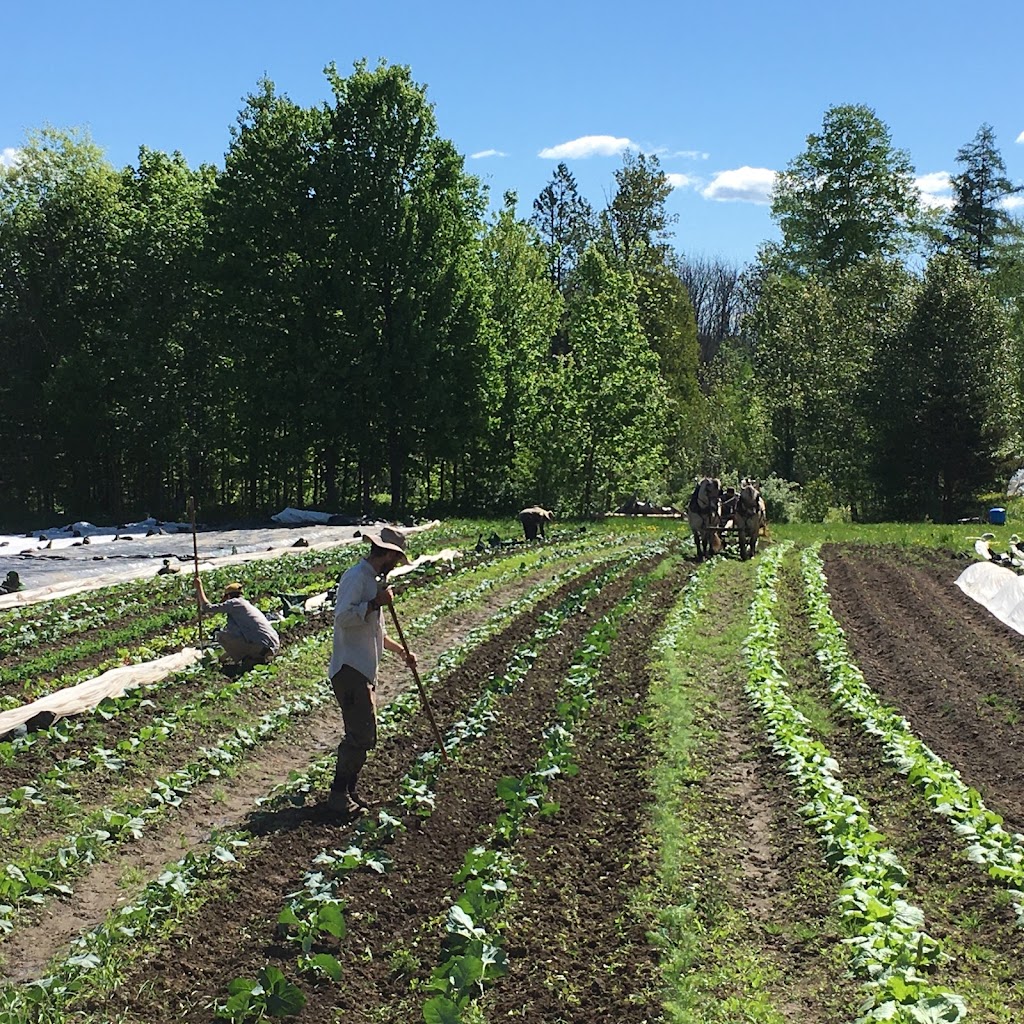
(783,789)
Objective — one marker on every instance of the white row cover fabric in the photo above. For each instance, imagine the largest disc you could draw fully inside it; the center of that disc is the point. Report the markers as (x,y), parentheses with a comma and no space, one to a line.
(73,700)
(51,574)
(996,588)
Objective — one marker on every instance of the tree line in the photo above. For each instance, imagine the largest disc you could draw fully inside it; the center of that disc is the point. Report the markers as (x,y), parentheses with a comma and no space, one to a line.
(335,320)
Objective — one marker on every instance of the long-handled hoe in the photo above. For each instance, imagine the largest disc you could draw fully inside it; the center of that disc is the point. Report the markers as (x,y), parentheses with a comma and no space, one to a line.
(195,556)
(419,686)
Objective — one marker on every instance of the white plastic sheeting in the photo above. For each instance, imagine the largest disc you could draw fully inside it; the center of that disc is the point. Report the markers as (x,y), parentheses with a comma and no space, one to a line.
(298,516)
(996,588)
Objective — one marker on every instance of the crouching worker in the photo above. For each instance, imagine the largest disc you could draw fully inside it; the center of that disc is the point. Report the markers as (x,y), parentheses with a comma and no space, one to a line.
(11,584)
(248,638)
(533,520)
(359,640)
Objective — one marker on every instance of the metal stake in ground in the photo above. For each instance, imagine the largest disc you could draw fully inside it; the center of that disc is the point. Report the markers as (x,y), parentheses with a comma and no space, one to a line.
(195,558)
(419,686)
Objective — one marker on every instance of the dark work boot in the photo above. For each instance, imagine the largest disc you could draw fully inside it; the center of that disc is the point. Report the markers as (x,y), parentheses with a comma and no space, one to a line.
(339,801)
(366,805)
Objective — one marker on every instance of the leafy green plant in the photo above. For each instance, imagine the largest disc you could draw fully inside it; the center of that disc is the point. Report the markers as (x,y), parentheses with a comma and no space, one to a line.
(270,995)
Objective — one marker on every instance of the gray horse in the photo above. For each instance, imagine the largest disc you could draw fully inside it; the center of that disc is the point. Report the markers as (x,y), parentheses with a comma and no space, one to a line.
(703,513)
(749,519)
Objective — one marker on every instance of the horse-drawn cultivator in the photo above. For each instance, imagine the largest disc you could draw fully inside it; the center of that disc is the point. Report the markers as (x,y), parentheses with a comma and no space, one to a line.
(714,515)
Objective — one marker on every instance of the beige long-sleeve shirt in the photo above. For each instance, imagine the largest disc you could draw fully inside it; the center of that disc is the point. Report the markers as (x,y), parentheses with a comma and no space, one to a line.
(358,628)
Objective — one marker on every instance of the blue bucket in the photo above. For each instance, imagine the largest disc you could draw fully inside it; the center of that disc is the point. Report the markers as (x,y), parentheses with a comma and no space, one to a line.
(997,516)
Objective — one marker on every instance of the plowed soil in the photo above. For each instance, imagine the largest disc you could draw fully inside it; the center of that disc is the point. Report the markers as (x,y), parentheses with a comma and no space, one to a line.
(235,935)
(949,666)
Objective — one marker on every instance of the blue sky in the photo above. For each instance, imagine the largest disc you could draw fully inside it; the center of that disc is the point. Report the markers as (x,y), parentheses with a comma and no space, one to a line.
(726,93)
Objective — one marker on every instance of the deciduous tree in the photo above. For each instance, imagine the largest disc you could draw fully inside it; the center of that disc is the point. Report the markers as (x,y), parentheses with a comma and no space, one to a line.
(407,288)
(942,421)
(850,196)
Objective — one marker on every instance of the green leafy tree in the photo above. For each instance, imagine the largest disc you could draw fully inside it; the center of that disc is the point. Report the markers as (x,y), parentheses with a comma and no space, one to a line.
(406,281)
(524,311)
(165,394)
(610,425)
(814,344)
(850,196)
(636,226)
(978,223)
(267,298)
(668,322)
(942,424)
(636,229)
(730,431)
(60,236)
(789,327)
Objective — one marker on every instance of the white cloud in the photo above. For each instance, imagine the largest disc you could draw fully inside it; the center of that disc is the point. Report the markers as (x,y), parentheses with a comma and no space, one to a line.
(683,180)
(935,181)
(742,185)
(935,189)
(9,156)
(1020,138)
(934,202)
(691,154)
(485,153)
(1012,202)
(587,145)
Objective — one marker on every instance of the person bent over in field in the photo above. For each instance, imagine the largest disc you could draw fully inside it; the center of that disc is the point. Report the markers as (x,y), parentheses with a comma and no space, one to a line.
(533,520)
(248,638)
(11,584)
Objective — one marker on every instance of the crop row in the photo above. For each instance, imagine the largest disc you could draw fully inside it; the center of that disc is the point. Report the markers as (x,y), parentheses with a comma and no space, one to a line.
(316,909)
(70,973)
(979,828)
(170,628)
(892,952)
(159,726)
(426,581)
(35,873)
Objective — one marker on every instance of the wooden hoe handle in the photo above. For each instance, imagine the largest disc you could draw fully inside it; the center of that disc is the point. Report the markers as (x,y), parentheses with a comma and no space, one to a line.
(419,686)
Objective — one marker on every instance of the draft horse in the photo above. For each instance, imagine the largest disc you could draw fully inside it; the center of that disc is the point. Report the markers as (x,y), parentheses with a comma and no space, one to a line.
(704,515)
(749,519)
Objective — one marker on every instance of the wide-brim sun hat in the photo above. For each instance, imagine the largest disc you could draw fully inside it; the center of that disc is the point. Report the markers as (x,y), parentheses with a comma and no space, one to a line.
(233,590)
(389,539)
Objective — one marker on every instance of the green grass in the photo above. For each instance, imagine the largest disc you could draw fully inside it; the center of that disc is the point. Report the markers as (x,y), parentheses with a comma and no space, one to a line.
(958,538)
(711,970)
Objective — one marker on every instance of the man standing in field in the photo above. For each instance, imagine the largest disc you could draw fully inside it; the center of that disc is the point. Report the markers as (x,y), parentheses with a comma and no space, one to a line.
(248,638)
(359,641)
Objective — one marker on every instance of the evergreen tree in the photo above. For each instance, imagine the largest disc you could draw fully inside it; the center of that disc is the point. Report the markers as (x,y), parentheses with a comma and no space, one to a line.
(565,222)
(978,224)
